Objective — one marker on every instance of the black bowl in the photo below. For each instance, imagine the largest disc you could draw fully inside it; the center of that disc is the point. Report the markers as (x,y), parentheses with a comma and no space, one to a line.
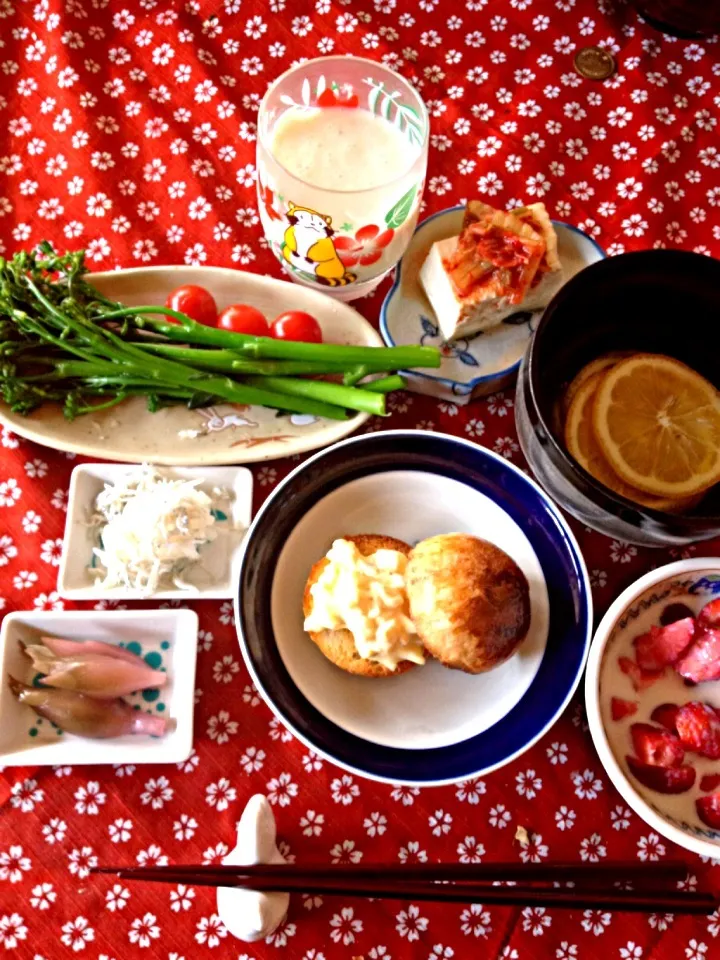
(656,301)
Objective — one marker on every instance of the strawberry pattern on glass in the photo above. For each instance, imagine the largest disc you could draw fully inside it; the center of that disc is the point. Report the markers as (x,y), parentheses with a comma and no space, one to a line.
(365,247)
(130,129)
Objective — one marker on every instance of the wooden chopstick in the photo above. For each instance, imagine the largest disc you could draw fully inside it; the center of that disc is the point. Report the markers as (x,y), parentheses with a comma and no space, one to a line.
(383,882)
(688,903)
(523,872)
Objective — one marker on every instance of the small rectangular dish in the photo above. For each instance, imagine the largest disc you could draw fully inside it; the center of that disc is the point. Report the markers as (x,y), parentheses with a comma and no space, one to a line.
(211,577)
(166,639)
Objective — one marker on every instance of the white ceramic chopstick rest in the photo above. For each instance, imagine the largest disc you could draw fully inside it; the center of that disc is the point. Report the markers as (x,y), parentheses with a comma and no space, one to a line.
(248,914)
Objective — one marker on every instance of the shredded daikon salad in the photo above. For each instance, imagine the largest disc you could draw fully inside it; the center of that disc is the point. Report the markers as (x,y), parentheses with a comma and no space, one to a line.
(151,527)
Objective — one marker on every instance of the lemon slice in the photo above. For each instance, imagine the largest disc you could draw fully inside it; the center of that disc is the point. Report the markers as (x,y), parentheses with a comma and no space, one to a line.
(583,446)
(604,362)
(658,425)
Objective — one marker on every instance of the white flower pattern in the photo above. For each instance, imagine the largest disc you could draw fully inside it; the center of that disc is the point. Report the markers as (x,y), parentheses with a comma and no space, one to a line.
(130,130)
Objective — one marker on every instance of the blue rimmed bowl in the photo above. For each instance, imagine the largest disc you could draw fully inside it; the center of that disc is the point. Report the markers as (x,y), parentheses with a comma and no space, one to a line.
(430,726)
(488,361)
(694,583)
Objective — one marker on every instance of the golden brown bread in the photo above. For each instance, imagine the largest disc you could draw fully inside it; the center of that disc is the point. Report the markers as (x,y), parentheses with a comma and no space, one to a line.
(339,645)
(469,601)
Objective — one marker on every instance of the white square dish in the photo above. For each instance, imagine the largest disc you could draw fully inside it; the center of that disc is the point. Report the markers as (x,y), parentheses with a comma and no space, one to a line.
(170,636)
(212,575)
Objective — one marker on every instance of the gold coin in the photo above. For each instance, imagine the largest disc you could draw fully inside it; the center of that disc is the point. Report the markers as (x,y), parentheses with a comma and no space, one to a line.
(594,63)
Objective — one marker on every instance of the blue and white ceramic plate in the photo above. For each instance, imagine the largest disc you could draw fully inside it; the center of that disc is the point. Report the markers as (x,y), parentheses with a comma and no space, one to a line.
(431,725)
(691,582)
(486,362)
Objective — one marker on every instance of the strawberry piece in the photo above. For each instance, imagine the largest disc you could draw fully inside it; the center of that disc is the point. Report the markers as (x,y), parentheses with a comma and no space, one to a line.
(708,809)
(662,779)
(709,616)
(639,678)
(655,746)
(710,782)
(620,708)
(663,645)
(665,715)
(698,727)
(673,612)
(702,660)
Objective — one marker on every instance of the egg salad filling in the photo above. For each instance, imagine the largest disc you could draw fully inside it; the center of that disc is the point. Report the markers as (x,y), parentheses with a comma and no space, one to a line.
(367,596)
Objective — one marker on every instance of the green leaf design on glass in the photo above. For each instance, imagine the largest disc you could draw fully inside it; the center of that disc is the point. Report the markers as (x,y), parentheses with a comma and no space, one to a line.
(406,118)
(397,215)
(374,96)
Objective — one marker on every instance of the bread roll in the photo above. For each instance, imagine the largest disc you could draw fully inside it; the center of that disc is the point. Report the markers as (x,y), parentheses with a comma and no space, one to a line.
(469,601)
(339,645)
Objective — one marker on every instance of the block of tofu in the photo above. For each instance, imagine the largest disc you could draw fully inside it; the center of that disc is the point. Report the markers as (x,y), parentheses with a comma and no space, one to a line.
(458,316)
(502,263)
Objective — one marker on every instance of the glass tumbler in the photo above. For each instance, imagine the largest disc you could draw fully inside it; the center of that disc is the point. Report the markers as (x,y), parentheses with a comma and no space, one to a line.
(341,160)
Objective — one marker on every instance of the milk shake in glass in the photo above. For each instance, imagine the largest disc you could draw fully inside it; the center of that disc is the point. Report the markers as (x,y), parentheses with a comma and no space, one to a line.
(341,160)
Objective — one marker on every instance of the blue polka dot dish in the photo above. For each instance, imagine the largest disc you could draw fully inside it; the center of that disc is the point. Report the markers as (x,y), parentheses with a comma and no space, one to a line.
(165,639)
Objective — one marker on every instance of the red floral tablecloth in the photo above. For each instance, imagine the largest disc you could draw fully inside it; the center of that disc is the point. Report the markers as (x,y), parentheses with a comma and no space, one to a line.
(129,129)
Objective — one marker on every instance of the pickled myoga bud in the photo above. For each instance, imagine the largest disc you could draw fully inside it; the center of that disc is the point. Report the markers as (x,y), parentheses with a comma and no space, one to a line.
(87,717)
(93,673)
(71,648)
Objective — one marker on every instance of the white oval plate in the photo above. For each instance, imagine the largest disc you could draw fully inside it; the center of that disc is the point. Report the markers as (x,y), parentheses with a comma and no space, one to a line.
(429,706)
(226,433)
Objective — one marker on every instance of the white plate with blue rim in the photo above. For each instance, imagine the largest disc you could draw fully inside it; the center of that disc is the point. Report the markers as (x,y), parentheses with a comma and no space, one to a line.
(430,725)
(692,583)
(485,362)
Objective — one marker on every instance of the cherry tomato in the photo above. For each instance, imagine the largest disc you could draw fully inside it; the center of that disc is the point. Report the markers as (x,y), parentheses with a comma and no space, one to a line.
(241,318)
(196,302)
(296,325)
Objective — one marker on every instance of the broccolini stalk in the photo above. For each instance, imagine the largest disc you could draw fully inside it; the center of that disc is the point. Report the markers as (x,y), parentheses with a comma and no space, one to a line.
(232,362)
(350,397)
(188,331)
(384,385)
